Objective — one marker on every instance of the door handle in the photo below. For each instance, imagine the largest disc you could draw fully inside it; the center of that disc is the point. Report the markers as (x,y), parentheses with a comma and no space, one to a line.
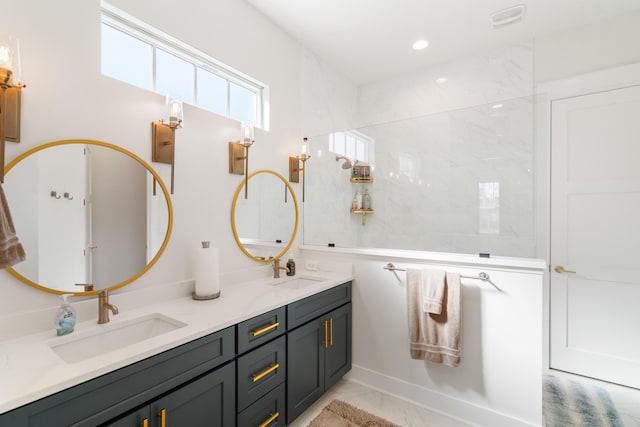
(561,269)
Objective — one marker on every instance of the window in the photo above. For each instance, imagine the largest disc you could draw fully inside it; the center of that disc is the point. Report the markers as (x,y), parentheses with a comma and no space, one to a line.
(489,207)
(139,54)
(352,144)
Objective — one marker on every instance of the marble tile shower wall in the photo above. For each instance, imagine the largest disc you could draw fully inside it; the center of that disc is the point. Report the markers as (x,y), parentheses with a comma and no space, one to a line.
(453,165)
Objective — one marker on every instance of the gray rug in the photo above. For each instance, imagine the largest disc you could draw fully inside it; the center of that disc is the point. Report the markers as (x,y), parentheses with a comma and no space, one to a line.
(569,403)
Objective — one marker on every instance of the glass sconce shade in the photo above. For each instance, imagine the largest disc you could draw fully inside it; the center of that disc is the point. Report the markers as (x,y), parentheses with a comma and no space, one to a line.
(175,112)
(10,63)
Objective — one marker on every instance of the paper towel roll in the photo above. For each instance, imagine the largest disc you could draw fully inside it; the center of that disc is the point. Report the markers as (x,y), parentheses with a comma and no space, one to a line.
(207,272)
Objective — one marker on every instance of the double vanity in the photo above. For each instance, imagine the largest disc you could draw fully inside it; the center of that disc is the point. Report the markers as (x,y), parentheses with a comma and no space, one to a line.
(257,356)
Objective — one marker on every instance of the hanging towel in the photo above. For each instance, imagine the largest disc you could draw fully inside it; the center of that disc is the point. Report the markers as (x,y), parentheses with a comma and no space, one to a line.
(11,250)
(434,337)
(433,284)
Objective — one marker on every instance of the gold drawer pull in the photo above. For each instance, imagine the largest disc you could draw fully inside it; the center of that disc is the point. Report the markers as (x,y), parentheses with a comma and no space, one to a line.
(258,377)
(163,417)
(272,418)
(145,423)
(265,329)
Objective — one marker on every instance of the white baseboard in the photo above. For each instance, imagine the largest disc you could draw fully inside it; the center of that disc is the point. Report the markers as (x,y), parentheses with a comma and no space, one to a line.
(435,401)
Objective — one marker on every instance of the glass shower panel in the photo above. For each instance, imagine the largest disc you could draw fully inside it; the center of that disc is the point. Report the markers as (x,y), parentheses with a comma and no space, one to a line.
(460,181)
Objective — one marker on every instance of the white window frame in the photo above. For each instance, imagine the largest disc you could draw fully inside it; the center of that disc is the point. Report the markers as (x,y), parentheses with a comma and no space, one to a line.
(367,157)
(134,27)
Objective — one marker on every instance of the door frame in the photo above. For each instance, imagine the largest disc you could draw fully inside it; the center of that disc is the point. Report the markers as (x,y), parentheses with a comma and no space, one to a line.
(547,92)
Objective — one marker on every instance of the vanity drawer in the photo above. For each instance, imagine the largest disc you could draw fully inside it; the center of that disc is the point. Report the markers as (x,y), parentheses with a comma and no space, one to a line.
(260,371)
(267,411)
(260,329)
(315,306)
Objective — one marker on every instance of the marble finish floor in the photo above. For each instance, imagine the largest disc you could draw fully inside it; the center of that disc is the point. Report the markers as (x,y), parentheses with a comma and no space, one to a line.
(406,414)
(394,409)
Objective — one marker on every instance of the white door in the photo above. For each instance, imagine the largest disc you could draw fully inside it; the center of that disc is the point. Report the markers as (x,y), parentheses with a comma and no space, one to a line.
(595,235)
(62,218)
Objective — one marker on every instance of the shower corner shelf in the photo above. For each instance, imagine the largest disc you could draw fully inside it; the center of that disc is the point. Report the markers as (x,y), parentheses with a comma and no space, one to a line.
(364,213)
(356,179)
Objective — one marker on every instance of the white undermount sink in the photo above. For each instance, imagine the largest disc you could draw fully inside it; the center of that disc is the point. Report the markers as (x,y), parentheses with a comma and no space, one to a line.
(80,346)
(299,282)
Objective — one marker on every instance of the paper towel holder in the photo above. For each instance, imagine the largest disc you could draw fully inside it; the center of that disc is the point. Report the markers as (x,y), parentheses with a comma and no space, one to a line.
(205,245)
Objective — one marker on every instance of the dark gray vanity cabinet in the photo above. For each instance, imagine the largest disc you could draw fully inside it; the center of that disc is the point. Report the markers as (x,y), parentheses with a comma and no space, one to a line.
(262,372)
(206,401)
(319,351)
(171,378)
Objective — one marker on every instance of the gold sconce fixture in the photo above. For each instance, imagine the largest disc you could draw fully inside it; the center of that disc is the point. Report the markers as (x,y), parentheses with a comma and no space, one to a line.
(294,165)
(239,155)
(10,91)
(163,136)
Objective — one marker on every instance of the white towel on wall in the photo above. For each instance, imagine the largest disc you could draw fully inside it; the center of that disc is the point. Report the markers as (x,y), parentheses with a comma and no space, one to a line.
(434,336)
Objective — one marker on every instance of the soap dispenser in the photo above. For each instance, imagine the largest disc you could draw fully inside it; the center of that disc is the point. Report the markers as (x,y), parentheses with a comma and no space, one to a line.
(291,266)
(65,317)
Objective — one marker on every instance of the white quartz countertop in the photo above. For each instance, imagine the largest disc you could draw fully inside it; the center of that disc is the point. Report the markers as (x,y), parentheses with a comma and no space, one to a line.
(31,370)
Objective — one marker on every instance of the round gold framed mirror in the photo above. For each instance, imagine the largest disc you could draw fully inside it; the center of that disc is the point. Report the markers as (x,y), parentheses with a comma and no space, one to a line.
(265,223)
(90,216)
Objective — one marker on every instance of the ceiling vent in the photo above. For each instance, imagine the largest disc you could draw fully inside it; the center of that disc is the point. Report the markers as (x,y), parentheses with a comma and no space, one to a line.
(504,18)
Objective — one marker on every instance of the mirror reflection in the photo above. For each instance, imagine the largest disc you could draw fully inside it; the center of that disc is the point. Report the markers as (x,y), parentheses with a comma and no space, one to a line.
(86,214)
(265,223)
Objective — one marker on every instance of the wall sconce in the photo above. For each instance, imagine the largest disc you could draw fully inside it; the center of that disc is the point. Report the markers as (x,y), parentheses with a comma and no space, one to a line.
(163,136)
(239,155)
(10,91)
(294,165)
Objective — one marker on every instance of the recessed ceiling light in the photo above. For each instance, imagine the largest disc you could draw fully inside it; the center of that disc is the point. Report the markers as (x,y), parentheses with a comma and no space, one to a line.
(496,106)
(442,80)
(420,44)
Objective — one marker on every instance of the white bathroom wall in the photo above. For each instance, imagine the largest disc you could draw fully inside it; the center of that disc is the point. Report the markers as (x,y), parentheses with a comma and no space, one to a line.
(67,97)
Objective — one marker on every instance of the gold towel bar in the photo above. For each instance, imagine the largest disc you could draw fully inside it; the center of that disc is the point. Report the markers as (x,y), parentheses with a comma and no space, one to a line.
(481,276)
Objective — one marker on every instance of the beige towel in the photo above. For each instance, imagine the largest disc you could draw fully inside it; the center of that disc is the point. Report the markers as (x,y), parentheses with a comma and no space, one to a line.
(433,285)
(434,337)
(11,251)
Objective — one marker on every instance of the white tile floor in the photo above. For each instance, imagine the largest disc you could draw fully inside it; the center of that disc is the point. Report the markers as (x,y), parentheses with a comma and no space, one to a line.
(406,414)
(391,408)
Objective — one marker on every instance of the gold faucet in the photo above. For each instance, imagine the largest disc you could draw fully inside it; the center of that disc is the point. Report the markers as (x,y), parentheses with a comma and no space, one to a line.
(104,306)
(277,268)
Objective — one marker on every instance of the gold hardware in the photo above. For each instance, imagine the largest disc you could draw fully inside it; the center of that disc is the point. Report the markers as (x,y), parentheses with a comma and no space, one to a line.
(294,165)
(331,332)
(364,213)
(10,93)
(272,418)
(163,417)
(163,136)
(145,423)
(54,194)
(265,329)
(239,155)
(561,269)
(258,377)
(68,196)
(104,307)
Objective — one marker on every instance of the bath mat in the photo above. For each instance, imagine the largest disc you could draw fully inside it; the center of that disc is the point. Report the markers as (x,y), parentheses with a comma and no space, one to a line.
(341,414)
(569,403)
